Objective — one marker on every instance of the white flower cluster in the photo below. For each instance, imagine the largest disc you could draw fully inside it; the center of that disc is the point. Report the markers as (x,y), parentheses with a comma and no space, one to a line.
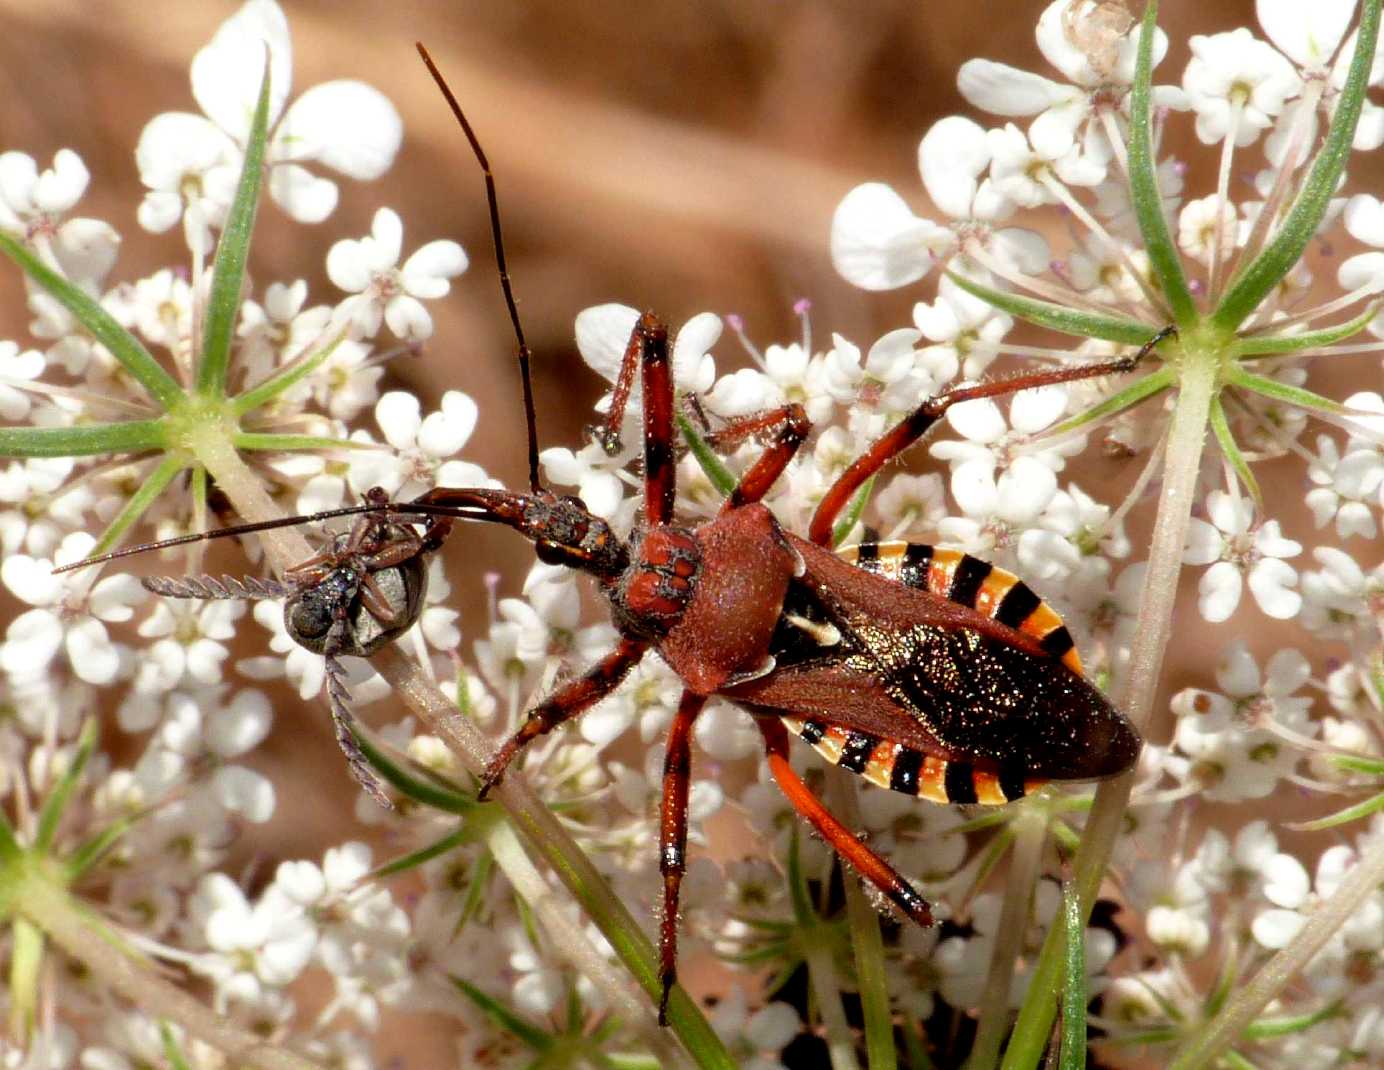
(1300,722)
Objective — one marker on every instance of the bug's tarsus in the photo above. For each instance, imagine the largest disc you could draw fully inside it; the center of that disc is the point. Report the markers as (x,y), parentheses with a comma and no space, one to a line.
(496,233)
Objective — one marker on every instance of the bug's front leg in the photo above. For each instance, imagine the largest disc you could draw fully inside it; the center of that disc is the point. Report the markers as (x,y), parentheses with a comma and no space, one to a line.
(917,423)
(790,426)
(863,860)
(672,838)
(570,700)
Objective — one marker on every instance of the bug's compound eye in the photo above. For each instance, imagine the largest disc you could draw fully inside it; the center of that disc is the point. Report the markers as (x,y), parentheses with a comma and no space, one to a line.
(307,618)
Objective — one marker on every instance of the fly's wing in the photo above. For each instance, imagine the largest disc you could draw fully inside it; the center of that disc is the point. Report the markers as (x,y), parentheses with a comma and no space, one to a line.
(931,672)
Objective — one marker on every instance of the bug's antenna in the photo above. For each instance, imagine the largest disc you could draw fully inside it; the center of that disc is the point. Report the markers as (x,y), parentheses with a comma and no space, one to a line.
(498,237)
(460,512)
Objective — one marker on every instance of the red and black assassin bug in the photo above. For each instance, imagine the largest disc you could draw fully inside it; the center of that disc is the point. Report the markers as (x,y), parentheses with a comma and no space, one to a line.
(924,670)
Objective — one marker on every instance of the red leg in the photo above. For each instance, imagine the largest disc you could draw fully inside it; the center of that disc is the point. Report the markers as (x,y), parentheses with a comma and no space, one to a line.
(920,420)
(608,432)
(648,346)
(863,860)
(791,428)
(571,700)
(672,837)
(660,478)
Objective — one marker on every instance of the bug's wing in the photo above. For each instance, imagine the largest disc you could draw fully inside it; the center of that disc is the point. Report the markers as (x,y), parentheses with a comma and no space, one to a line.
(931,695)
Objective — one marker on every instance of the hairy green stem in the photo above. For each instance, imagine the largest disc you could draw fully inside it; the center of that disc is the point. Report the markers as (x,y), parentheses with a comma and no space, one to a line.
(821,971)
(1031,829)
(1240,1010)
(64,923)
(1181,463)
(866,941)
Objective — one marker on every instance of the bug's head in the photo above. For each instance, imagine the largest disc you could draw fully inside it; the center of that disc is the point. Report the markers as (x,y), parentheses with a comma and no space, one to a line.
(563,531)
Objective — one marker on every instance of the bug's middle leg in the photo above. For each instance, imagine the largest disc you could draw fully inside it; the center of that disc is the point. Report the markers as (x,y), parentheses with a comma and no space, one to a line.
(571,700)
(918,422)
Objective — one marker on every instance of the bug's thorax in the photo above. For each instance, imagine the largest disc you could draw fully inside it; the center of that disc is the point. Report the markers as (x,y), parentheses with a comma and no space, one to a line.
(709,598)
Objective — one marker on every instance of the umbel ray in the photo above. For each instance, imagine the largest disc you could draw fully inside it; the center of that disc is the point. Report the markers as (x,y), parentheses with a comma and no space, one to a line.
(924,670)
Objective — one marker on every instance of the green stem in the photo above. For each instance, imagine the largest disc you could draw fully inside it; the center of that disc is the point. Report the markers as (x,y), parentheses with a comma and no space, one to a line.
(1181,462)
(63,922)
(826,988)
(1030,834)
(570,943)
(1206,1046)
(866,941)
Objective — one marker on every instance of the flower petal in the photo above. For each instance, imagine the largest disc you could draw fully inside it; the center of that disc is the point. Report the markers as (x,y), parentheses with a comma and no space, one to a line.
(226,74)
(306,197)
(345,124)
(877,243)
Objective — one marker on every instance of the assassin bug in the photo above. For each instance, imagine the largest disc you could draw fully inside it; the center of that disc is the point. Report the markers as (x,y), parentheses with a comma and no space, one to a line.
(924,670)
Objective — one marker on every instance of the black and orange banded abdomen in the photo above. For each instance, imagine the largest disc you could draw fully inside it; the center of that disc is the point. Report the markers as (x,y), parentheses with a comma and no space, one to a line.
(968,581)
(892,765)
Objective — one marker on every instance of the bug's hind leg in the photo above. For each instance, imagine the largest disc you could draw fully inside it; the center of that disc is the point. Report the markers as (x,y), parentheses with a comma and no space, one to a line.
(863,860)
(672,829)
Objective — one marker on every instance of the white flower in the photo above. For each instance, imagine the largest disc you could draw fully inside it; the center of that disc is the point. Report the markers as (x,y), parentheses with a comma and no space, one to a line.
(1346,488)
(967,330)
(423,447)
(1238,551)
(997,510)
(1197,226)
(34,638)
(603,335)
(1026,173)
(367,268)
(889,378)
(33,203)
(755,1039)
(1236,84)
(267,943)
(1094,51)
(986,436)
(191,163)
(191,637)
(877,243)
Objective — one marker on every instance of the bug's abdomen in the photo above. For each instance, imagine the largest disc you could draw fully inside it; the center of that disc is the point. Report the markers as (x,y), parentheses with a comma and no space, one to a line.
(940,676)
(892,765)
(968,581)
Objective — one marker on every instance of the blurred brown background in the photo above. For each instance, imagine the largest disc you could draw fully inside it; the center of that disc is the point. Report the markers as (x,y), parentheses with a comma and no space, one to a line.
(678,156)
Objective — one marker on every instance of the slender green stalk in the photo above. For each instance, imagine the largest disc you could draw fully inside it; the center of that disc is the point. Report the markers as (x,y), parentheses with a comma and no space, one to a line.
(821,970)
(1030,830)
(1181,462)
(866,941)
(1207,1045)
(1145,195)
(232,253)
(64,923)
(1074,994)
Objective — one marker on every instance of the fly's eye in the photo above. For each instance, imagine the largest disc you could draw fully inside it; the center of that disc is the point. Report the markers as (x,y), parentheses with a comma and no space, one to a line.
(309,620)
